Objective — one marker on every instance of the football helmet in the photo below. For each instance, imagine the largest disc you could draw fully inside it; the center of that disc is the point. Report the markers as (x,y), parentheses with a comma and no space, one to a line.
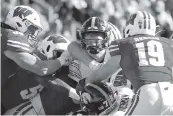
(78,113)
(53,46)
(94,25)
(26,20)
(140,22)
(97,99)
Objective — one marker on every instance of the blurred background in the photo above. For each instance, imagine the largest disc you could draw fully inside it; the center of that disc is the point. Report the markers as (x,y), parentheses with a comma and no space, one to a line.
(66,16)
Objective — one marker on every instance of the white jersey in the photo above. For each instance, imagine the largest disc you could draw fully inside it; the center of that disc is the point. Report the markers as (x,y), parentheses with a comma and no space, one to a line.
(86,71)
(122,94)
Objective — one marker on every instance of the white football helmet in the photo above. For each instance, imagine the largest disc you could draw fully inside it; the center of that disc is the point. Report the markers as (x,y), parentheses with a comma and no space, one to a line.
(53,46)
(26,20)
(140,22)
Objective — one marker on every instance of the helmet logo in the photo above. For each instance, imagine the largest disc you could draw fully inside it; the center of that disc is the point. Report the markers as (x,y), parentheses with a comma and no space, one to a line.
(131,19)
(22,12)
(57,40)
(92,28)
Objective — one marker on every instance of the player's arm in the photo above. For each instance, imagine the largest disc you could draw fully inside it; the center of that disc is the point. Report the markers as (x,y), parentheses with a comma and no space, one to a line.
(105,71)
(56,85)
(32,63)
(80,54)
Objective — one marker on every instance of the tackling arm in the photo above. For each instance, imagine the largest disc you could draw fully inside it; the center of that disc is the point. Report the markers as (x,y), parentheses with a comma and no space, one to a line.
(31,63)
(57,85)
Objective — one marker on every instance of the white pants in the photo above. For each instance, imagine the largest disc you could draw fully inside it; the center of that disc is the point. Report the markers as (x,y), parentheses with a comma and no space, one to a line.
(32,107)
(153,99)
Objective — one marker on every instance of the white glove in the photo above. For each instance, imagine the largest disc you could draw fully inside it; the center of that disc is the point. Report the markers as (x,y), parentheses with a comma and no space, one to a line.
(73,94)
(65,59)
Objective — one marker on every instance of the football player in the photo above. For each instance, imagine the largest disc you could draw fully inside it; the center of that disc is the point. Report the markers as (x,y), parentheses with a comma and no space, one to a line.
(57,96)
(146,61)
(97,45)
(96,99)
(18,41)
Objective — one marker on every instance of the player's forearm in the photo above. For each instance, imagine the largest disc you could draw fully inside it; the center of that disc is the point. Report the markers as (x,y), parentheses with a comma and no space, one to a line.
(59,84)
(78,53)
(105,71)
(50,66)
(96,76)
(33,64)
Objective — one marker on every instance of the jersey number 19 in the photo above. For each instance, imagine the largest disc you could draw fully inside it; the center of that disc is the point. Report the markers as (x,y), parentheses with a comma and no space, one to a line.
(154,51)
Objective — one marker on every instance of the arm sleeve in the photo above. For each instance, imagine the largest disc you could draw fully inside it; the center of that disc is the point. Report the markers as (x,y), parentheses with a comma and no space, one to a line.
(104,72)
(31,63)
(126,53)
(17,42)
(127,60)
(114,49)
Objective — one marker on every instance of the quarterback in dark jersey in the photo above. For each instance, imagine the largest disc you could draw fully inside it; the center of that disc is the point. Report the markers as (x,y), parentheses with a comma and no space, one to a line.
(18,41)
(146,61)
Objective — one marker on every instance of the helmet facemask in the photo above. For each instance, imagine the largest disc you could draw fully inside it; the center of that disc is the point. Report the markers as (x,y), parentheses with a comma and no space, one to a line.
(95,45)
(32,33)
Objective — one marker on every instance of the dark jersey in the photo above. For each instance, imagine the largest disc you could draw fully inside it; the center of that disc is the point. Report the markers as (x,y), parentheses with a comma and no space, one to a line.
(146,59)
(62,74)
(57,102)
(54,98)
(17,84)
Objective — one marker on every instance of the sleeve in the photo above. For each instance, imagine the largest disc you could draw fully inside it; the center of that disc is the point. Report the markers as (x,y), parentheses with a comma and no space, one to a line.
(17,42)
(74,71)
(114,49)
(127,59)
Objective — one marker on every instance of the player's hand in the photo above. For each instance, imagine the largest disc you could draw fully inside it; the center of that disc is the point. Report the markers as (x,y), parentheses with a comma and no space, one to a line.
(73,94)
(65,58)
(86,98)
(80,86)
